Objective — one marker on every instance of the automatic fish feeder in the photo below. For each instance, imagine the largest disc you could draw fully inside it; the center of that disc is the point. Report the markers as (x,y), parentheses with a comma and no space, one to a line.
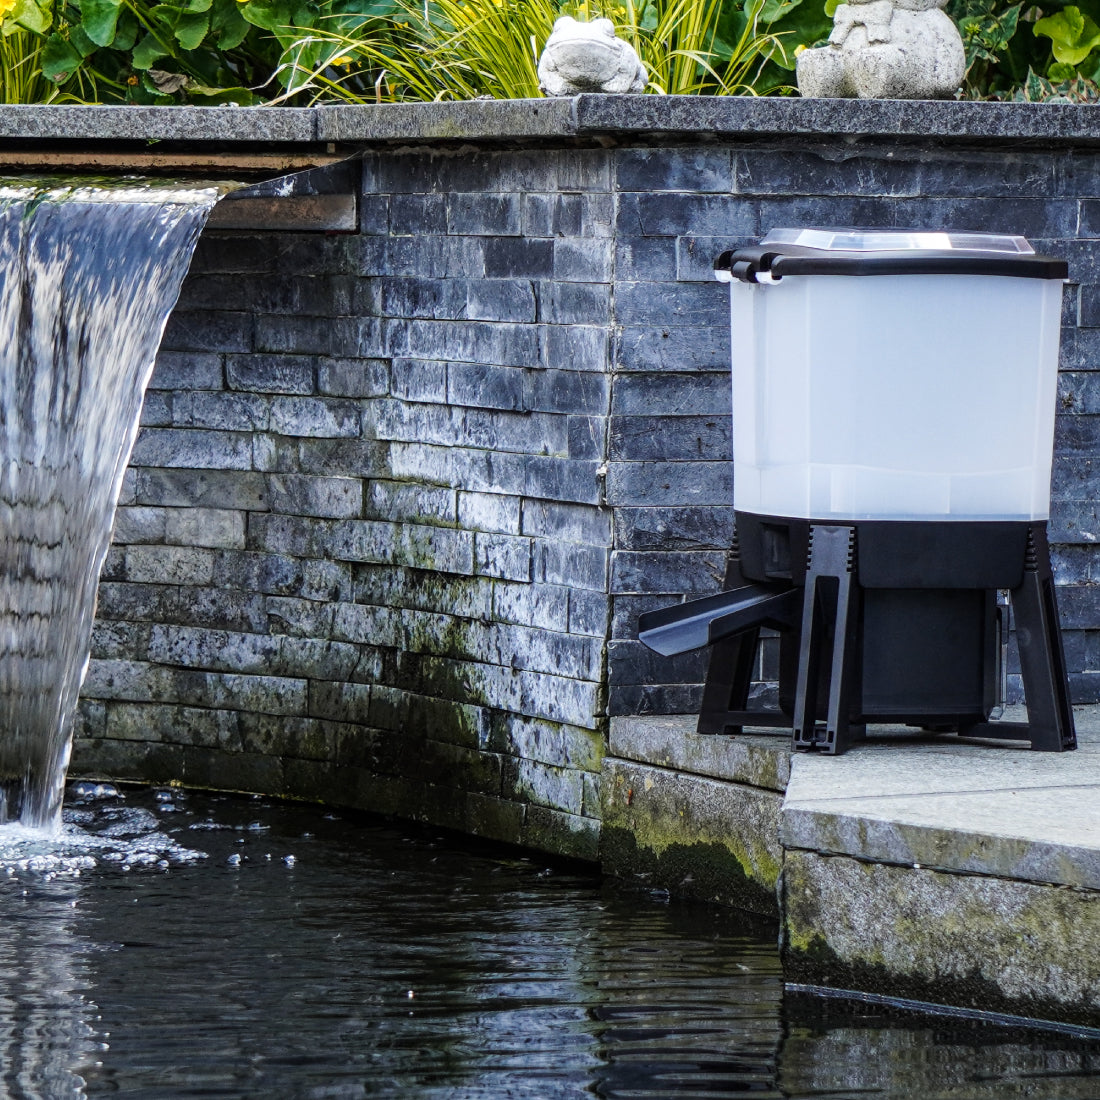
(893,423)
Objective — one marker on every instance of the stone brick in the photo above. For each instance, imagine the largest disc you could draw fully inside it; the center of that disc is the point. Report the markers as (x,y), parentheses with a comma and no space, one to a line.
(670,483)
(208,331)
(574,303)
(567,522)
(184,447)
(230,412)
(581,259)
(501,300)
(549,743)
(139,524)
(567,391)
(406,502)
(542,784)
(423,296)
(505,556)
(353,377)
(691,170)
(501,344)
(695,837)
(315,416)
(683,528)
(664,438)
(589,613)
(211,527)
(330,497)
(670,395)
(184,488)
(340,701)
(575,347)
(291,374)
(169,564)
(468,597)
(568,563)
(187,370)
(646,259)
(489,512)
(477,385)
(562,833)
(467,468)
(418,214)
(545,606)
(419,380)
(492,215)
(668,214)
(156,411)
(673,348)
(695,256)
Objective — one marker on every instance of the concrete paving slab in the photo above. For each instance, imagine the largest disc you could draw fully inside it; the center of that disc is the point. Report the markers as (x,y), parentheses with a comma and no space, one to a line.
(954,806)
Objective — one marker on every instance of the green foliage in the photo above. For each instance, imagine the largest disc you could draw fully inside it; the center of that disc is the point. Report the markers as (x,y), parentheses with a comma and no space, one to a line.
(465,49)
(1045,52)
(1073,35)
(306,51)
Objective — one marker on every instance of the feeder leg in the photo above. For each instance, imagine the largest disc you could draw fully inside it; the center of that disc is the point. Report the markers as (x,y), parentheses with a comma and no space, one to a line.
(1042,659)
(830,623)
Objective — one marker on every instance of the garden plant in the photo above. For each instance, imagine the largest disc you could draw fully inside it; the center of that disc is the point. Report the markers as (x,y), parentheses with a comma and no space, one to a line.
(300,52)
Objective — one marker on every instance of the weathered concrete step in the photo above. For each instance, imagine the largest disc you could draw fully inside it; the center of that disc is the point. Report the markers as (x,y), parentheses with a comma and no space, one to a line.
(915,866)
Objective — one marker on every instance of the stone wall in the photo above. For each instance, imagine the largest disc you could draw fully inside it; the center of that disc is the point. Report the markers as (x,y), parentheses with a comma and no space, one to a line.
(401,494)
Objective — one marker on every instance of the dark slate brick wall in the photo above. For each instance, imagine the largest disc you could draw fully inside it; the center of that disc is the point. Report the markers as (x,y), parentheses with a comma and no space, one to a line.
(362,552)
(401,495)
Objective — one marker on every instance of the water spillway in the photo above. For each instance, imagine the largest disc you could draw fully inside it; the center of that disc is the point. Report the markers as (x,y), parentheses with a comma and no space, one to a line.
(89,271)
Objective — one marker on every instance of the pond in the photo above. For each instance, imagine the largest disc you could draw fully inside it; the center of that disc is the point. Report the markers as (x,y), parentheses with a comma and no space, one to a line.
(176,944)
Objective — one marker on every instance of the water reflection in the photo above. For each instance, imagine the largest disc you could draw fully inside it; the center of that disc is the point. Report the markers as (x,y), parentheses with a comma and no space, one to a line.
(838,1050)
(380,963)
(46,1021)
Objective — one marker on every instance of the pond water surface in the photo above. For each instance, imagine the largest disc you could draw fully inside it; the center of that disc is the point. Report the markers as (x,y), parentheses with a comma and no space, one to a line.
(174,944)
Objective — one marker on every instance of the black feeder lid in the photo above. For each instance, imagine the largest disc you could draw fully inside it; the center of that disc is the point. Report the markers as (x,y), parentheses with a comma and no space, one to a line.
(886,252)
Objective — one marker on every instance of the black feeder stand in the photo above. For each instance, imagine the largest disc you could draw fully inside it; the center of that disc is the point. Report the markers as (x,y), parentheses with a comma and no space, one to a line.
(879,620)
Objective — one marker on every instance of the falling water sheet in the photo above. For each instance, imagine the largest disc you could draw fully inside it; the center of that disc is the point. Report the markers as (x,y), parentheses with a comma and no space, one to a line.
(89,272)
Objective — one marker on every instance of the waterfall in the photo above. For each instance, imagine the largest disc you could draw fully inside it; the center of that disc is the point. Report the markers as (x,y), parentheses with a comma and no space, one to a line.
(89,271)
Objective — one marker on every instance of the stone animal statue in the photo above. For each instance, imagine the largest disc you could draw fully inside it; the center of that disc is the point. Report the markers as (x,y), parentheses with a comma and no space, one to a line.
(886,49)
(587,57)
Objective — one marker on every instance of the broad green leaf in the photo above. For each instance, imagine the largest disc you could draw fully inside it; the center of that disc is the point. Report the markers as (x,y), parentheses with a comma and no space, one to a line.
(126,33)
(81,42)
(1034,88)
(777,9)
(199,5)
(191,30)
(1073,35)
(33,15)
(268,14)
(227,25)
(100,18)
(147,52)
(59,59)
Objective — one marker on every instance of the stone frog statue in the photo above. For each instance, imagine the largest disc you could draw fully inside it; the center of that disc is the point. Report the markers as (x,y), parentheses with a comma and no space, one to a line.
(587,57)
(886,49)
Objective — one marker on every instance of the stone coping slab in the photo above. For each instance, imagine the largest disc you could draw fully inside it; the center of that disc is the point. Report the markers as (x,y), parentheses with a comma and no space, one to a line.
(701,116)
(592,117)
(670,741)
(940,803)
